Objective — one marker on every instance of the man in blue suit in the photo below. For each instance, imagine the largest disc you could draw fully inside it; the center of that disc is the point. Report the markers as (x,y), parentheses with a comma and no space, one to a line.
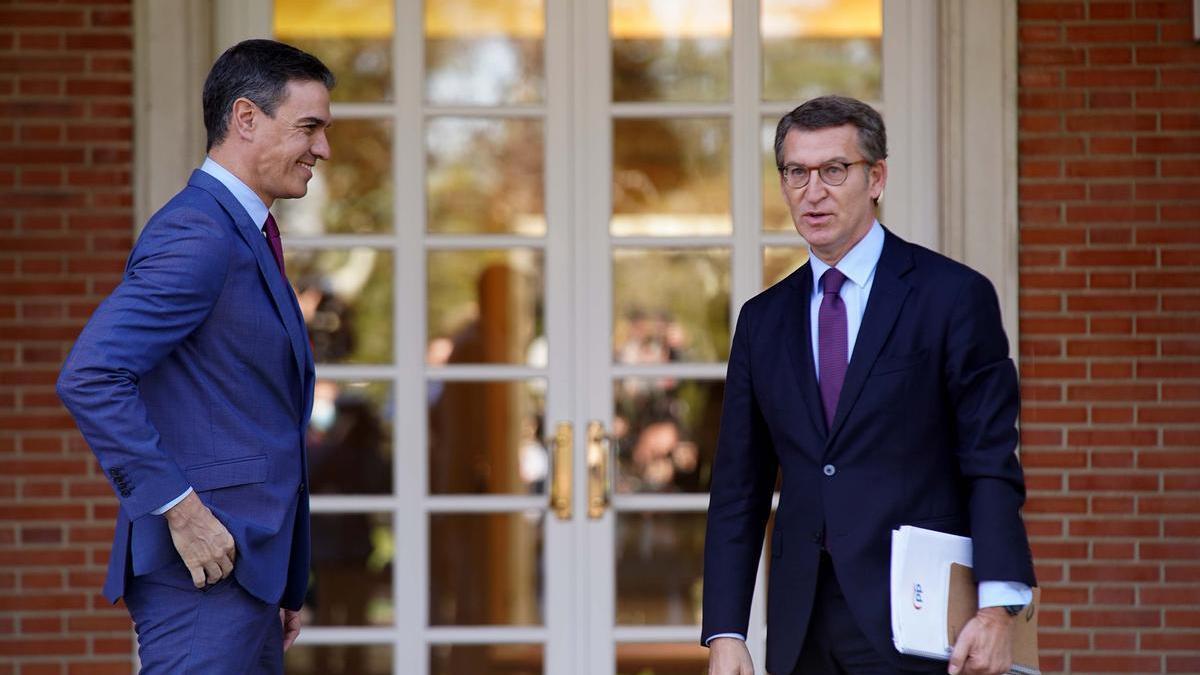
(876,379)
(193,383)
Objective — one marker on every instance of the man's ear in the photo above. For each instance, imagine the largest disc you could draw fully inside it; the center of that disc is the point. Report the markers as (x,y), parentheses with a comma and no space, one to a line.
(878,175)
(243,118)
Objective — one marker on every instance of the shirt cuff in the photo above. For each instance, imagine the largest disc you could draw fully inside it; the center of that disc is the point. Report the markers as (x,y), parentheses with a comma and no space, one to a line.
(167,507)
(732,635)
(999,593)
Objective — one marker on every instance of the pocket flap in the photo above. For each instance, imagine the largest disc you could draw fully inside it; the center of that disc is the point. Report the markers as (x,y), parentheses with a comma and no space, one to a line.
(227,473)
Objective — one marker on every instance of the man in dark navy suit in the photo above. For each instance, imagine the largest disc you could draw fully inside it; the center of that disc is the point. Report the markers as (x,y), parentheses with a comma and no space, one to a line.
(876,379)
(193,384)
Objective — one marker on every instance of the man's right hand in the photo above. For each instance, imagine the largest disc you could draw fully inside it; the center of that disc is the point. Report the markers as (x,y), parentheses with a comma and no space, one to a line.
(729,656)
(204,544)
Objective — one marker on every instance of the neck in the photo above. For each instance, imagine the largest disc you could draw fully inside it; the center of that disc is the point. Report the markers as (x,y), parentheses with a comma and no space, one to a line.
(235,164)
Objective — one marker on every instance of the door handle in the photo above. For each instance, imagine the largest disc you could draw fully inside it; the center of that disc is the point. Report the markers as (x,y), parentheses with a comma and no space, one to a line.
(599,477)
(560,483)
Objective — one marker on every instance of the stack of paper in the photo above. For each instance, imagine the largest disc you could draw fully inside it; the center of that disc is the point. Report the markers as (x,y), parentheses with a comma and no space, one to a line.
(934,594)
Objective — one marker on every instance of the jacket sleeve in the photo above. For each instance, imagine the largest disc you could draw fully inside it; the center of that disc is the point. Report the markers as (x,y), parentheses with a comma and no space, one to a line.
(743,481)
(173,279)
(982,385)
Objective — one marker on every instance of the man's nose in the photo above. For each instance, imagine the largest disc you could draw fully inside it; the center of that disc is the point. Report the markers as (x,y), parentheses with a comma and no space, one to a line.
(320,148)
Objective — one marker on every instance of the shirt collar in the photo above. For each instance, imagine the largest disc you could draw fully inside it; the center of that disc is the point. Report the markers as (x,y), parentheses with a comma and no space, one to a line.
(858,263)
(255,208)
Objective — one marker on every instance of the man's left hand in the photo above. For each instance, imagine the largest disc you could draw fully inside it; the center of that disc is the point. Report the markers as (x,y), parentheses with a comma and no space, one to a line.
(984,646)
(291,626)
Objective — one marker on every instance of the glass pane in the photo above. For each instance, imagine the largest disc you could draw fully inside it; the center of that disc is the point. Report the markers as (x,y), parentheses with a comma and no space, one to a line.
(352,37)
(346,298)
(507,590)
(351,580)
(776,217)
(501,451)
(350,438)
(659,561)
(815,47)
(485,176)
(485,306)
(671,177)
(670,305)
(661,659)
(309,659)
(352,192)
(491,659)
(483,52)
(670,50)
(666,433)
(780,261)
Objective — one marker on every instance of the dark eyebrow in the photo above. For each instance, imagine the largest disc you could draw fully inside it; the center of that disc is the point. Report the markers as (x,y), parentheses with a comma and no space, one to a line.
(305,121)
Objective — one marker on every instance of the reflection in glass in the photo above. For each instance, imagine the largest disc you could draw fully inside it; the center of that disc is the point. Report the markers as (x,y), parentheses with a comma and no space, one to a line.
(661,658)
(780,261)
(666,433)
(485,176)
(670,50)
(815,47)
(776,217)
(310,659)
(500,451)
(352,192)
(506,659)
(659,560)
(352,37)
(485,306)
(346,298)
(485,569)
(349,438)
(483,52)
(351,580)
(671,177)
(670,305)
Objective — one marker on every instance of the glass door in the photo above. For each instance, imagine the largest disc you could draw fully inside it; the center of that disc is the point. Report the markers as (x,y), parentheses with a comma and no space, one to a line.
(520,271)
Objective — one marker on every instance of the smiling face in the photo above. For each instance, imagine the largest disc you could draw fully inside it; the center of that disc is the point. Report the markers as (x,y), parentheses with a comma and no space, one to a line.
(282,150)
(832,219)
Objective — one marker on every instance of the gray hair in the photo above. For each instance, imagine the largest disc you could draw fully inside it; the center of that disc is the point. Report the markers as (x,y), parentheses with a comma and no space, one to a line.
(834,111)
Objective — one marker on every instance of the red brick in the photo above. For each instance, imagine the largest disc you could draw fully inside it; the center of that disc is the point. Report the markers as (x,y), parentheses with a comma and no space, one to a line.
(1114,663)
(1113,572)
(1110,77)
(1122,122)
(1027,11)
(1167,505)
(1114,482)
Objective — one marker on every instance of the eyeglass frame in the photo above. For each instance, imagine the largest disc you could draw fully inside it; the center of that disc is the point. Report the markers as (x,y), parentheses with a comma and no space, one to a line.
(808,174)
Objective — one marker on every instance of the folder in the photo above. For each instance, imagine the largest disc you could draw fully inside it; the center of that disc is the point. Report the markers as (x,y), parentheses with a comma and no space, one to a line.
(934,595)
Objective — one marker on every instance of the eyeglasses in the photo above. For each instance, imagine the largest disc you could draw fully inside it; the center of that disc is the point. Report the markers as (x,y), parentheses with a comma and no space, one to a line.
(831,173)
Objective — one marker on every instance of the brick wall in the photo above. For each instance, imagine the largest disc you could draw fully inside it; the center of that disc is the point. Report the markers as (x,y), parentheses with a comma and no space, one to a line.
(1110,327)
(65,227)
(1110,320)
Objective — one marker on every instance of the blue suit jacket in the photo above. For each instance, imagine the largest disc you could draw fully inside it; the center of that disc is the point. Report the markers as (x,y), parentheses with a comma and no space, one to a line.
(924,434)
(196,371)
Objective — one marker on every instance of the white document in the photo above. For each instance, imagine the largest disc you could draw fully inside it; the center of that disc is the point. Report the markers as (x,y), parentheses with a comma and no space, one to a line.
(920,582)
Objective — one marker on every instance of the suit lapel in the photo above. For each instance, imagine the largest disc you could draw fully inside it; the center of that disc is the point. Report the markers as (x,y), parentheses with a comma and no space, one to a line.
(883,307)
(281,292)
(799,342)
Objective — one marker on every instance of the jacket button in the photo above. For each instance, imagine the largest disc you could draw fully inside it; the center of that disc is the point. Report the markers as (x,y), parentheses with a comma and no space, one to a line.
(125,493)
(829,470)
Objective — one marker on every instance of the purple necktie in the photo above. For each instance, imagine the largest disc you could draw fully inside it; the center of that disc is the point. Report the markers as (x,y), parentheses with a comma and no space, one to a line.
(276,243)
(832,342)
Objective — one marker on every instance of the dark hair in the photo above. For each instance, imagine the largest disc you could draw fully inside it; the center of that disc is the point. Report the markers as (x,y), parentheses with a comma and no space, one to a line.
(834,111)
(258,70)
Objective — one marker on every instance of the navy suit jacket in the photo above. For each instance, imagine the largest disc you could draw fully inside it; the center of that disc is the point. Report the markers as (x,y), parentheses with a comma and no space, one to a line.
(924,434)
(196,371)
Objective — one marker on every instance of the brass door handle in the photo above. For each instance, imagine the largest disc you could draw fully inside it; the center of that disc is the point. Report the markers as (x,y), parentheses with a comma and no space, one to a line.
(560,484)
(599,478)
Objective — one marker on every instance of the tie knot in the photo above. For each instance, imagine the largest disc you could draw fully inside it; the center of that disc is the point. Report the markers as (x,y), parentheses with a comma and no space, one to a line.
(833,280)
(271,227)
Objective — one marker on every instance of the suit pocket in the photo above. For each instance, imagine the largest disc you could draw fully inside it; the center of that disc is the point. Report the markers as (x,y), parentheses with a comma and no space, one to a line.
(891,364)
(227,473)
(955,523)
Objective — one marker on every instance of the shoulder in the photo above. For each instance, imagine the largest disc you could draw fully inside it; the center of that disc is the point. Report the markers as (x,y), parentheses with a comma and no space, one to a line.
(940,273)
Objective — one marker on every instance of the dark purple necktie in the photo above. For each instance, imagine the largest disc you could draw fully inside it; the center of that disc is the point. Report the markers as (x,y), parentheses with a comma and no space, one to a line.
(832,342)
(272,230)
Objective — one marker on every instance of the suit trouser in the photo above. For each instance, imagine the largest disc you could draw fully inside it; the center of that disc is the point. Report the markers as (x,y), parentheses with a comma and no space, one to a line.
(834,644)
(220,629)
